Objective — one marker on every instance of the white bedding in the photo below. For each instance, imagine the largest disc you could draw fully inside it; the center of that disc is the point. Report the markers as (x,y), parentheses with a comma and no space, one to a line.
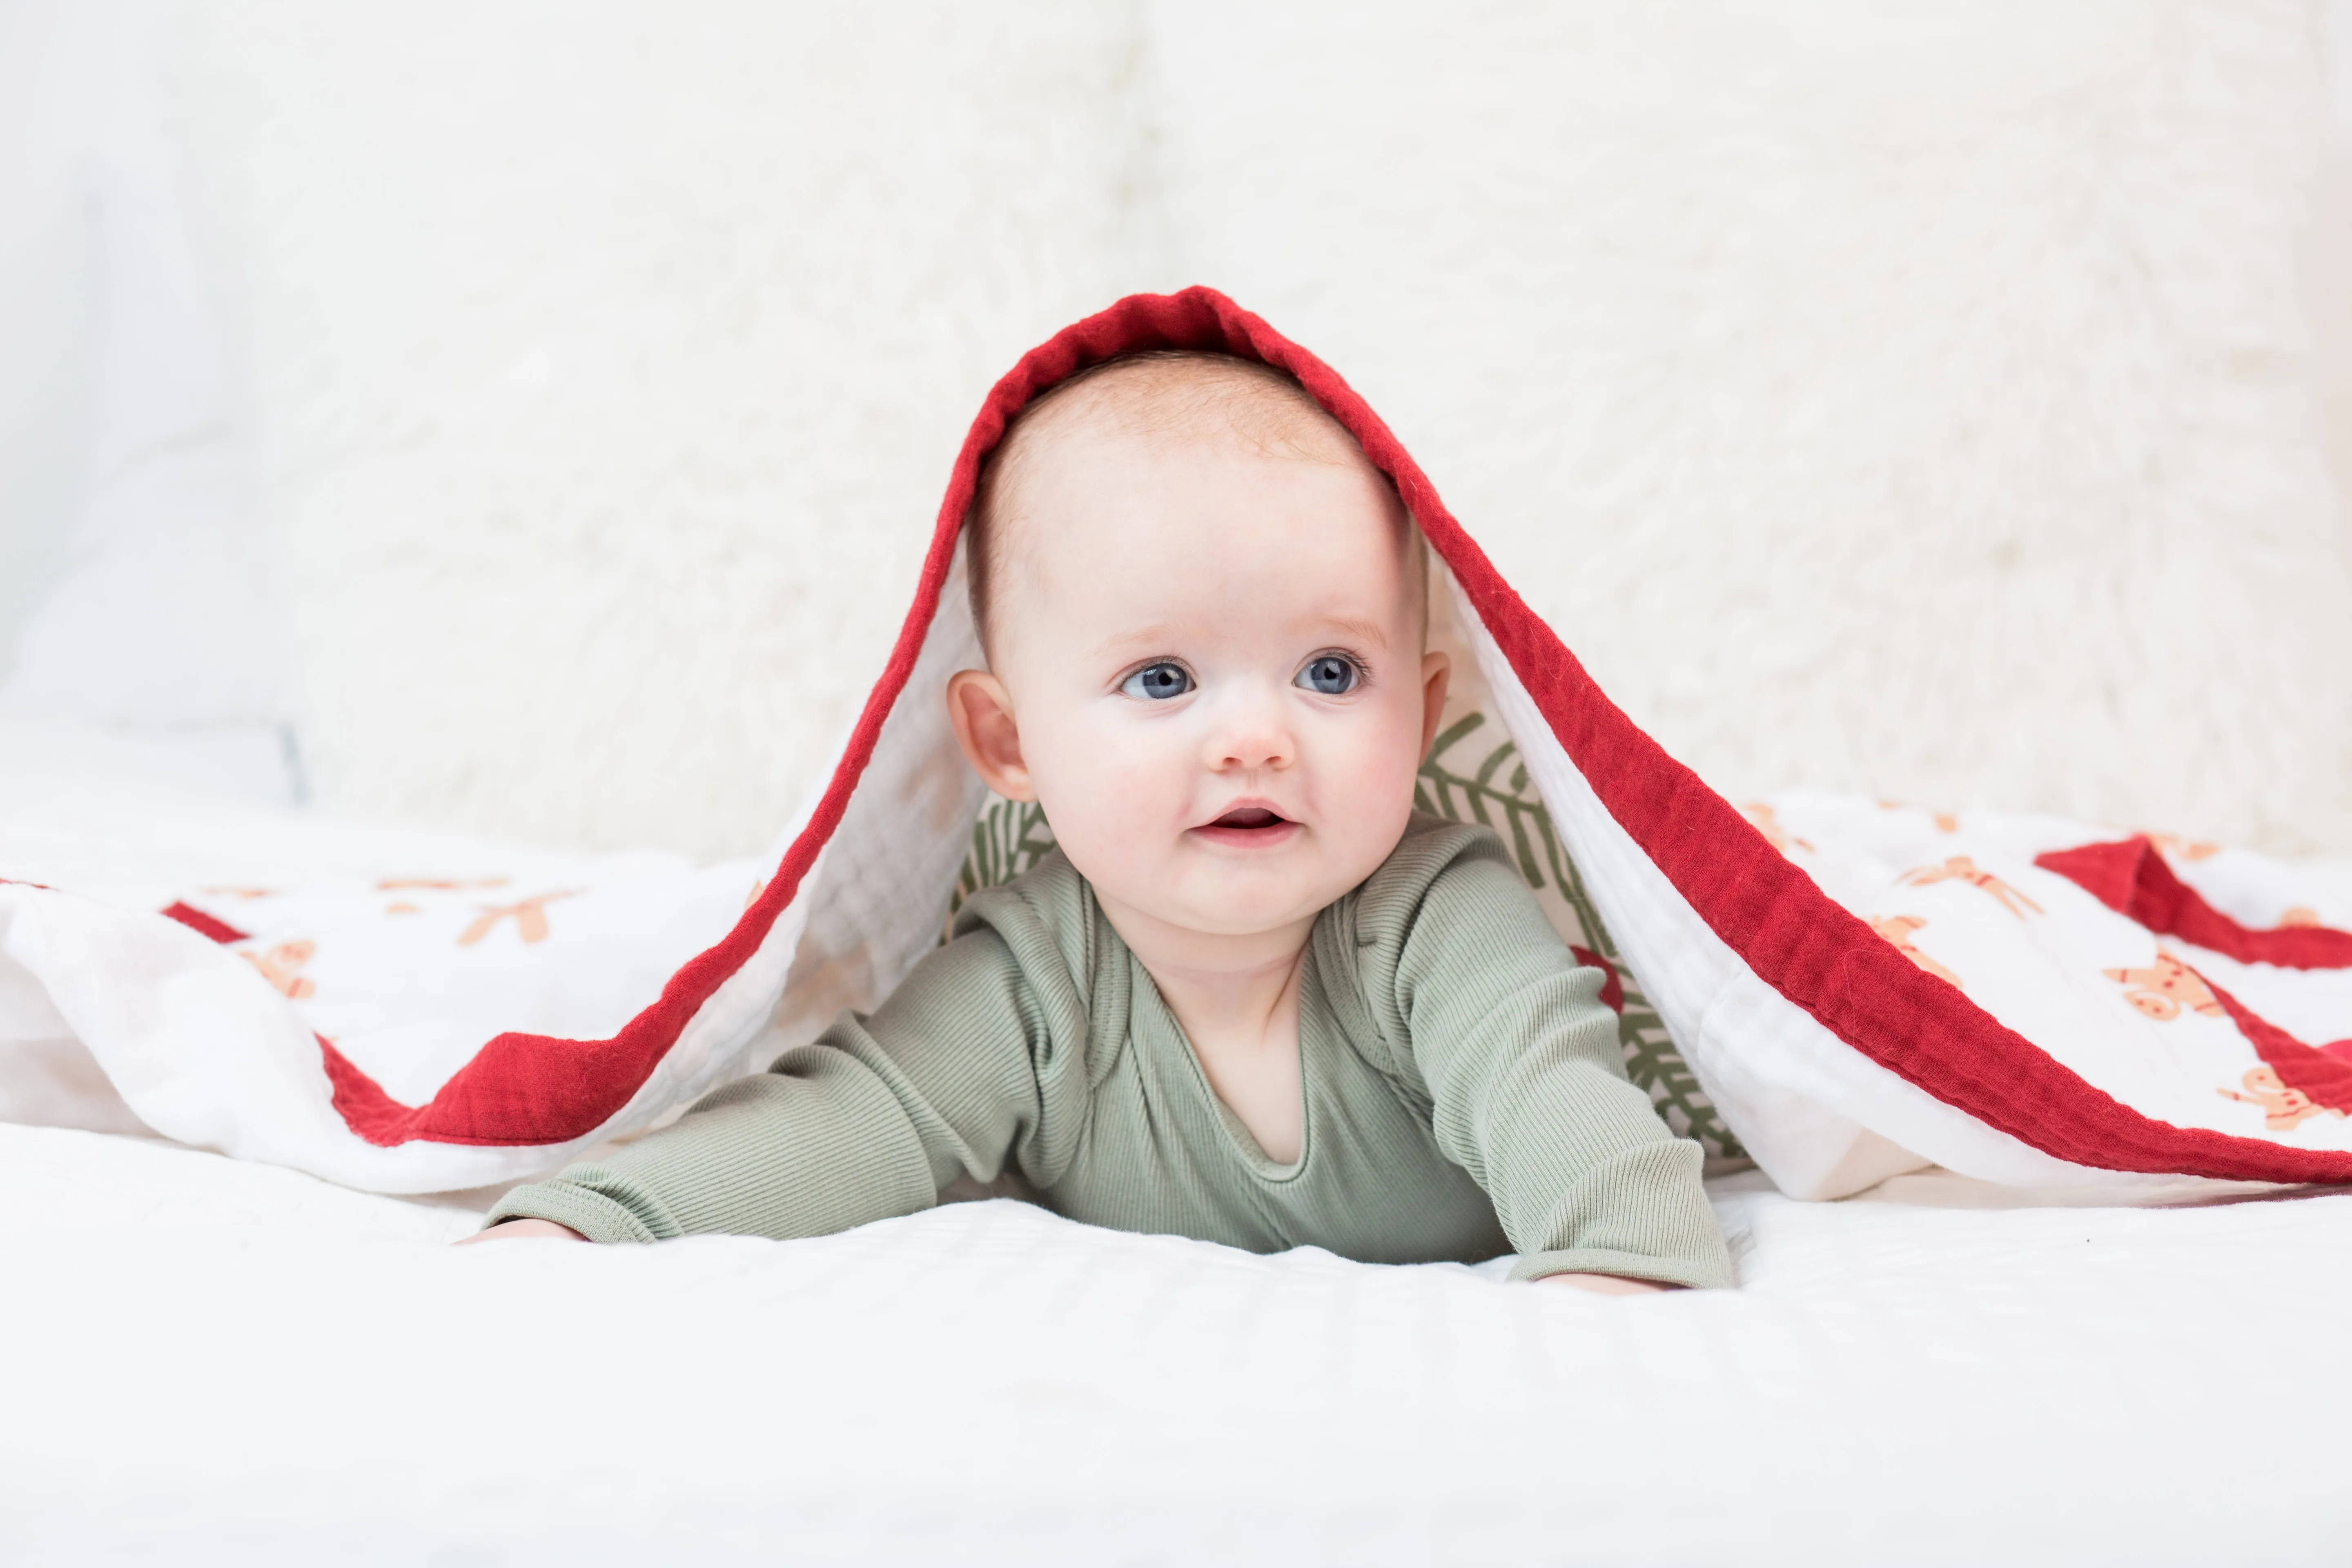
(224,1361)
(230,1363)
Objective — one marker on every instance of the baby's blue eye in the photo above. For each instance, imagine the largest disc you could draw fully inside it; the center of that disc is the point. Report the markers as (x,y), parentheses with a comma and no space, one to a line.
(1330,674)
(1158,682)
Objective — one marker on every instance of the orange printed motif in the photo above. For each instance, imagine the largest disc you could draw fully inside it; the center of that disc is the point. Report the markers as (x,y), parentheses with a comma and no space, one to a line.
(2184,848)
(1767,823)
(1944,820)
(1897,929)
(2284,1109)
(240,892)
(2164,987)
(529,916)
(2300,915)
(1961,869)
(754,896)
(438,884)
(279,966)
(401,908)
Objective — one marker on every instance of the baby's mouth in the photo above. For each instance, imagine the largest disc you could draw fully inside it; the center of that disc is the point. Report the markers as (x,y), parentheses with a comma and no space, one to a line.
(1249,827)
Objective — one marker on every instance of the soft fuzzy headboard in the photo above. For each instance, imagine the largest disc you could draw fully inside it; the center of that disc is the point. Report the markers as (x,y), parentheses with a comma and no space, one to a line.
(1914,399)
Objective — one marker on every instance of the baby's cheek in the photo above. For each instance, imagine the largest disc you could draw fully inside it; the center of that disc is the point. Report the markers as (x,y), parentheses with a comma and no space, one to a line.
(1114,804)
(1373,765)
(1364,788)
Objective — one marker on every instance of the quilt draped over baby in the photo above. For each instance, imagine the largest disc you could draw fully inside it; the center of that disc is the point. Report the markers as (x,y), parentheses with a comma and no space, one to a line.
(1839,988)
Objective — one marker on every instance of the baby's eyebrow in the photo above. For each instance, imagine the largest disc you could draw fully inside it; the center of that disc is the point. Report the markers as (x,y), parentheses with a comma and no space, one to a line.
(1361,631)
(1159,634)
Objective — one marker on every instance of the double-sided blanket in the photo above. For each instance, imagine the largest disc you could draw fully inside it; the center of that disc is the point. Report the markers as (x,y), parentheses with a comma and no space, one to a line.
(1841,989)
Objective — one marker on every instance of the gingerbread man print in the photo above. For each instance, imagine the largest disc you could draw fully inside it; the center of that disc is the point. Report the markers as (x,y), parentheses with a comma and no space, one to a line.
(2163,988)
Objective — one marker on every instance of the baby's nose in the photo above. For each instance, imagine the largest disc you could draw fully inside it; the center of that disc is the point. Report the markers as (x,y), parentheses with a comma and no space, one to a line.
(1257,734)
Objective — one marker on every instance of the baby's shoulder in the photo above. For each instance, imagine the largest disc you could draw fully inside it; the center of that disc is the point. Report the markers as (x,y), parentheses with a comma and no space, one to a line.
(1434,856)
(1047,914)
(1450,892)
(1447,919)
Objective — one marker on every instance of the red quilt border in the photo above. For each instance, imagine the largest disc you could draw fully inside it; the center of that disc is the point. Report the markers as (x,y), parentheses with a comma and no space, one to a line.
(2130,877)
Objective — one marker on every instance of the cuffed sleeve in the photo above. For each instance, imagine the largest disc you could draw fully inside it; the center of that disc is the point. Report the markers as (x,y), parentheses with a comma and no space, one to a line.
(598,1201)
(1621,1228)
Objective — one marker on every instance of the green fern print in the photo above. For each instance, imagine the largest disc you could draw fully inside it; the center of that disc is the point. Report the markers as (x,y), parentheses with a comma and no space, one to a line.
(1464,780)
(1007,838)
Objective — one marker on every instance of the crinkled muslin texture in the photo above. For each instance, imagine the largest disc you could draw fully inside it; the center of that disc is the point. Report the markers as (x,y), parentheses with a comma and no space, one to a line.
(1846,989)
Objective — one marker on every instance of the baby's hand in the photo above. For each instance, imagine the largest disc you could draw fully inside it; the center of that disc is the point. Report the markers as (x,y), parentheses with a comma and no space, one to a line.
(1599,1284)
(523,1230)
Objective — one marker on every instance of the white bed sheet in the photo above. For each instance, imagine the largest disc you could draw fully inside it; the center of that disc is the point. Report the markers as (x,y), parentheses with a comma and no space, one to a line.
(213,1362)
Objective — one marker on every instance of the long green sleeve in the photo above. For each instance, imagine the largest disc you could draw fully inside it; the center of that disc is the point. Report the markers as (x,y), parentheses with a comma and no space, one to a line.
(837,1132)
(1527,1082)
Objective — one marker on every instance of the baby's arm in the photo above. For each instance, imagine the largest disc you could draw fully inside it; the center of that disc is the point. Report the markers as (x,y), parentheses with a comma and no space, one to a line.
(868,1121)
(1521,1060)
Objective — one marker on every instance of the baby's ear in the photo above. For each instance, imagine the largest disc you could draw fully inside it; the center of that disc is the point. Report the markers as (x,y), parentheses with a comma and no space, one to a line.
(981,712)
(1436,674)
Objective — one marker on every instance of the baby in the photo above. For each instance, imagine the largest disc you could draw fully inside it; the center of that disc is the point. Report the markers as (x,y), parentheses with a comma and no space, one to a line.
(1251,998)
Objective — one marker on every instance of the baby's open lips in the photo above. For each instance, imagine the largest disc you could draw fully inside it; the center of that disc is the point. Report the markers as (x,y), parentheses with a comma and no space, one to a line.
(1249,825)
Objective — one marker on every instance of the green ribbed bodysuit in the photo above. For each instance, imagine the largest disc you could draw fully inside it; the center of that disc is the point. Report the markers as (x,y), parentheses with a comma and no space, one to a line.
(1465,1096)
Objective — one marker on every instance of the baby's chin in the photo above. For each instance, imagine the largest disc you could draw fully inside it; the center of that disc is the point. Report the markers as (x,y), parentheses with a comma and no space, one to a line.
(1219,892)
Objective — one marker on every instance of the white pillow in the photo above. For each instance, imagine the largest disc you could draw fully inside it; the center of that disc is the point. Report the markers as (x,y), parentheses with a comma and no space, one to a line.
(154,613)
(47,281)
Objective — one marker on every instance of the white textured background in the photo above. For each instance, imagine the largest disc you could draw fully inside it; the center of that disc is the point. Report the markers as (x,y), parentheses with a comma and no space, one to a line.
(536,411)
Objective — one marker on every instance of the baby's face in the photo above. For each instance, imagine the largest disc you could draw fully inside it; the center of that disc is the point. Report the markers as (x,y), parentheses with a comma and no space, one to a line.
(1213,664)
